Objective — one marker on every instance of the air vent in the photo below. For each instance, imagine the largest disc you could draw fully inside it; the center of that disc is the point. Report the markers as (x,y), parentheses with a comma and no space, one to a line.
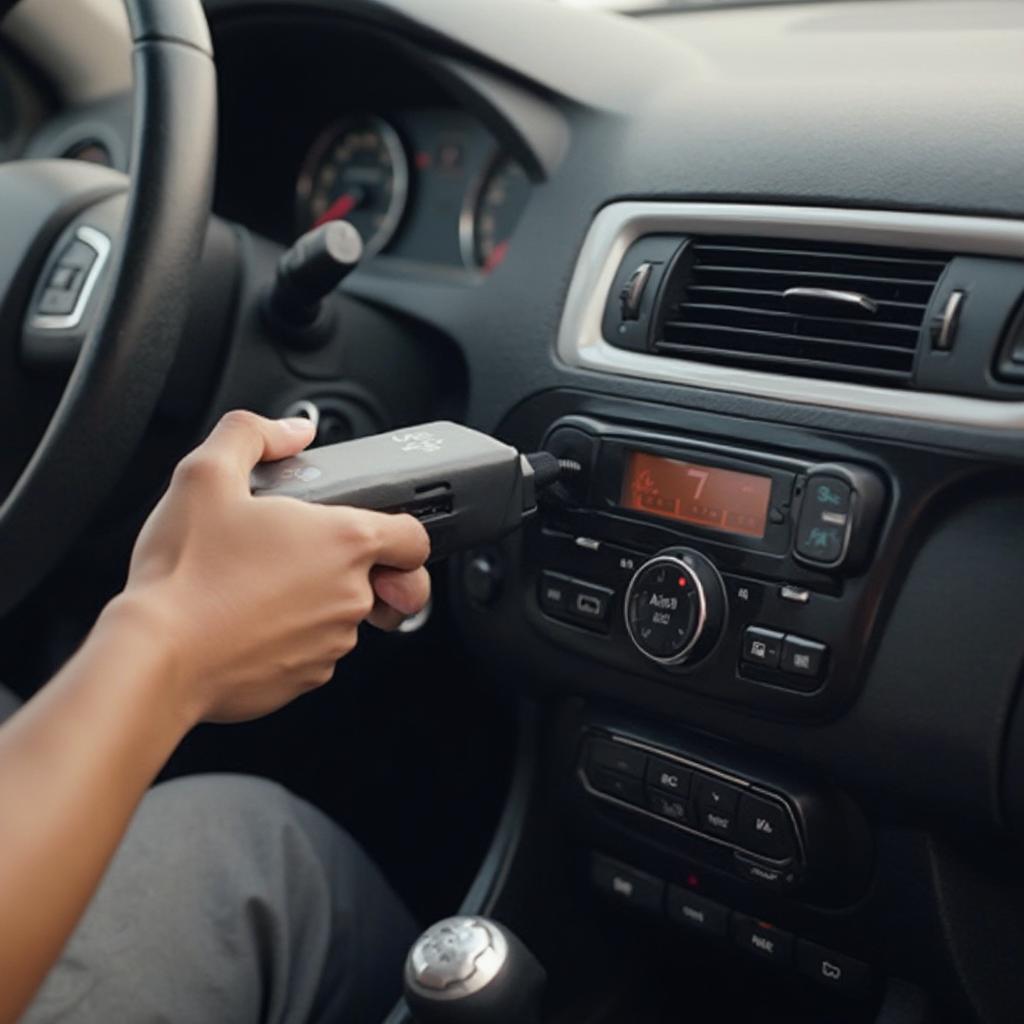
(847,312)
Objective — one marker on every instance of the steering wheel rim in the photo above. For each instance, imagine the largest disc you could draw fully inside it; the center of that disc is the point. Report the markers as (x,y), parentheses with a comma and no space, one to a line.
(126,357)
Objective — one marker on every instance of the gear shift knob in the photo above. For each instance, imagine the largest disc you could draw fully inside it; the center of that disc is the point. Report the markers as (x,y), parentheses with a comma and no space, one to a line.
(471,970)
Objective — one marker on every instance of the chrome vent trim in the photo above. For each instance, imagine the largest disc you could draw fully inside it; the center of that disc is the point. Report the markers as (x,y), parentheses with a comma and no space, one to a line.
(581,346)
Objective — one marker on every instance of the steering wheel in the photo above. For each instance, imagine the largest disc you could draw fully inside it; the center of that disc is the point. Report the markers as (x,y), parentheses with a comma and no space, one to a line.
(138,276)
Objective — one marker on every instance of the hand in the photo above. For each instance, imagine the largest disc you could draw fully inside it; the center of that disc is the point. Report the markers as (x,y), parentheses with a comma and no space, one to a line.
(257,598)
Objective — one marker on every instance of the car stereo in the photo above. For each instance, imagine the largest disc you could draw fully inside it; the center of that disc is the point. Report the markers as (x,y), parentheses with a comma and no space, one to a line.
(725,570)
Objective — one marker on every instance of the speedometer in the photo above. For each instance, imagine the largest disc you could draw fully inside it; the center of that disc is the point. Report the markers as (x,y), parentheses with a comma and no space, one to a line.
(493,213)
(356,171)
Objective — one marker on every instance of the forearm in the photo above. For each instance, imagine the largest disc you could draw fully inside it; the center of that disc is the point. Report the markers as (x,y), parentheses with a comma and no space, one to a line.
(74,764)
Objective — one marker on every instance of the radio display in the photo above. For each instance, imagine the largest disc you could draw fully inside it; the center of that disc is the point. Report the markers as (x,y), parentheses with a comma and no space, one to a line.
(718,499)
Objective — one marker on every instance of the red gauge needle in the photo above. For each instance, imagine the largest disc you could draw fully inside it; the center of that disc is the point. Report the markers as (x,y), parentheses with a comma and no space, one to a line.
(498,253)
(341,207)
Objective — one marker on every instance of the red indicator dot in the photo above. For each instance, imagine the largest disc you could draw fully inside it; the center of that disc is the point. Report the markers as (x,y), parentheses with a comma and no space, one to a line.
(693,881)
(682,581)
(423,161)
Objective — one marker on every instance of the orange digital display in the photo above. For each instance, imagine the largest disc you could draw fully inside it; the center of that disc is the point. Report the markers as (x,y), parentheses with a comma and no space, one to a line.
(719,499)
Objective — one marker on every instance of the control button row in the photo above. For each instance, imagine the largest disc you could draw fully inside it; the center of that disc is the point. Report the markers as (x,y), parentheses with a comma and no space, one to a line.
(576,601)
(631,887)
(794,655)
(702,803)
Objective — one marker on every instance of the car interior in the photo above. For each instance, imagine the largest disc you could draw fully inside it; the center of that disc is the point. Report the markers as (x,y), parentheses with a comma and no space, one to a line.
(732,728)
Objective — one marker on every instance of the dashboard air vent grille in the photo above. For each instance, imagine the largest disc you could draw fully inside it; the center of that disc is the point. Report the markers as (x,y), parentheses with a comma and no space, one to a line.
(809,308)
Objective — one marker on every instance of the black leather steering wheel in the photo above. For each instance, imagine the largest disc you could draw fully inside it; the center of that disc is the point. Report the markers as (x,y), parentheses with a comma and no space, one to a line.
(126,355)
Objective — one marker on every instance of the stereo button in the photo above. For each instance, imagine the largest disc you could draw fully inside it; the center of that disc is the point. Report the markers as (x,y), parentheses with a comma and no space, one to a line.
(763,940)
(618,757)
(665,805)
(762,646)
(764,827)
(802,657)
(824,520)
(716,807)
(669,776)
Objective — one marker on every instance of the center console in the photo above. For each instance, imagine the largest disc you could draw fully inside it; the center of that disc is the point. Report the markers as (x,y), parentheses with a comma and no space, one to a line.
(725,569)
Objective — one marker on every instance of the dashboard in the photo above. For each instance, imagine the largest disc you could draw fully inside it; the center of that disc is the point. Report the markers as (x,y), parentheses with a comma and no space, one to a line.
(374,139)
(756,273)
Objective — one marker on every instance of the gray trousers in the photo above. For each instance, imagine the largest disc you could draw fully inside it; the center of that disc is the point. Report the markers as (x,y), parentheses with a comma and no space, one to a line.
(230,900)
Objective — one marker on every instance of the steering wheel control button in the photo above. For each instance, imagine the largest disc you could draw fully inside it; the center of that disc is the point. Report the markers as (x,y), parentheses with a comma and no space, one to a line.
(802,657)
(65,291)
(763,826)
(716,807)
(825,520)
(622,787)
(459,953)
(626,885)
(669,776)
(763,940)
(617,757)
(665,805)
(762,646)
(698,912)
(836,971)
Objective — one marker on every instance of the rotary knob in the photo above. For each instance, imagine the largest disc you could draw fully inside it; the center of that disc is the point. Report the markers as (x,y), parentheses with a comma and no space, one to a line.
(675,607)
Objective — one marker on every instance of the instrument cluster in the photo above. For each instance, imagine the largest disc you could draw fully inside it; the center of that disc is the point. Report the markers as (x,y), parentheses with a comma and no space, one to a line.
(428,185)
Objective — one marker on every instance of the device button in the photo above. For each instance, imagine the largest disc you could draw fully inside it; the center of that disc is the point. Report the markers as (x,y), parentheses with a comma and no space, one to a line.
(669,776)
(716,806)
(626,884)
(617,757)
(685,907)
(554,593)
(836,970)
(667,805)
(802,657)
(762,646)
(764,827)
(622,787)
(763,940)
(798,595)
(589,602)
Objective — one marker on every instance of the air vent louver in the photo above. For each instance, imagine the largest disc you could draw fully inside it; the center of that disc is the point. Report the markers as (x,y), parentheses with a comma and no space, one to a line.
(755,302)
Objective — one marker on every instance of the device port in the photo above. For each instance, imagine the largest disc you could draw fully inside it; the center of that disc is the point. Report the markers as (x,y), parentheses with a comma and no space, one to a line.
(429,508)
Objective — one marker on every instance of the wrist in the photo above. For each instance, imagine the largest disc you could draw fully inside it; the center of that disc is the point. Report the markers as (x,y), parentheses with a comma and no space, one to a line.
(140,626)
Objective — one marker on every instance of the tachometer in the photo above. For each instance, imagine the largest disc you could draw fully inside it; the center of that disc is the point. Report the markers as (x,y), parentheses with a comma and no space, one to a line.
(357,171)
(493,213)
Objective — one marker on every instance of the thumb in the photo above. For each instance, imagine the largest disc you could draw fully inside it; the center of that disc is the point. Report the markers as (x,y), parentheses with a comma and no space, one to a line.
(243,439)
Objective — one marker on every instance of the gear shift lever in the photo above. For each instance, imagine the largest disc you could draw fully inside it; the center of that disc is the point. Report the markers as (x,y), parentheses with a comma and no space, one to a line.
(471,970)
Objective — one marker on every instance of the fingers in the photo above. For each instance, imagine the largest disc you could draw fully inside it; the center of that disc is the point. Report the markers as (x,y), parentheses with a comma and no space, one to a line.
(406,592)
(386,539)
(241,439)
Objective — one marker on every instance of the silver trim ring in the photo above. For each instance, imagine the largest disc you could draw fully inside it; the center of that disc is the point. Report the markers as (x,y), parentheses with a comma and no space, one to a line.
(100,244)
(702,614)
(582,346)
